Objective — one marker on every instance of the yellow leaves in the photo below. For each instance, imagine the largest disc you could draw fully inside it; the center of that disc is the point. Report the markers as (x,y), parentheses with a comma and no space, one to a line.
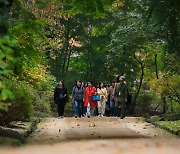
(165,85)
(36,74)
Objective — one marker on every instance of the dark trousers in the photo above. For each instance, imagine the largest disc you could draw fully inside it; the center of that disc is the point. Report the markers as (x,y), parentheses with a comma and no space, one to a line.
(120,109)
(61,107)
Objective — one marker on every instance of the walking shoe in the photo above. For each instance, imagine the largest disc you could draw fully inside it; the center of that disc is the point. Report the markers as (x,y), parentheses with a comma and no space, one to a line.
(88,116)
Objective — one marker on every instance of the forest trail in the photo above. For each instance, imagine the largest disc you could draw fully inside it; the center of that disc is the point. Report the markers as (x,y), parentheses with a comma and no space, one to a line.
(98,135)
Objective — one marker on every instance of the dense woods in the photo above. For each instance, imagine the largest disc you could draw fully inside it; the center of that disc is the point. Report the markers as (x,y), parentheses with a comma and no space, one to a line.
(42,42)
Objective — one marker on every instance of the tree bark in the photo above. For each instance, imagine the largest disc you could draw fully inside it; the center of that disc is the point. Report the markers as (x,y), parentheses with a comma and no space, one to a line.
(4,14)
(65,54)
(155,58)
(140,84)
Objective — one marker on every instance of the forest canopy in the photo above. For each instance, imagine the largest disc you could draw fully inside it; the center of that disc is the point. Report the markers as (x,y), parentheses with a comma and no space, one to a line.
(42,42)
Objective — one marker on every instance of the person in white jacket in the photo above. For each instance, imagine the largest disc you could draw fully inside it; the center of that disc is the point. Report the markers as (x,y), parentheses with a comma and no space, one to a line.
(102,91)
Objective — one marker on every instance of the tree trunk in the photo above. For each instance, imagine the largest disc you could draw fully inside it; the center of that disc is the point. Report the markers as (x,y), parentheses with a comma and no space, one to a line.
(164,105)
(140,84)
(5,7)
(65,54)
(68,61)
(155,58)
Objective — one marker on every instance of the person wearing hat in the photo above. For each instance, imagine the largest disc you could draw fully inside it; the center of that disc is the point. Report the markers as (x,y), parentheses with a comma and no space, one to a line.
(120,94)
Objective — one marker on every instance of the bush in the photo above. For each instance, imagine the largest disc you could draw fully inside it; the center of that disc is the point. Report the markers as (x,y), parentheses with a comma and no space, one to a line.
(21,107)
(148,103)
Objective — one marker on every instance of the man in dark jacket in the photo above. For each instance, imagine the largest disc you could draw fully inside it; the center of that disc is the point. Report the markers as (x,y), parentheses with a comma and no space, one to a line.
(120,94)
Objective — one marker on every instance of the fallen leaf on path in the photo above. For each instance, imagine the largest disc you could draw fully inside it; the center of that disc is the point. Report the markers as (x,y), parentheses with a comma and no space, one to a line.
(92,125)
(78,125)
(145,128)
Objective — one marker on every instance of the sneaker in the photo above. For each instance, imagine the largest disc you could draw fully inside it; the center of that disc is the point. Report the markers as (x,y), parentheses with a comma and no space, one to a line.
(88,116)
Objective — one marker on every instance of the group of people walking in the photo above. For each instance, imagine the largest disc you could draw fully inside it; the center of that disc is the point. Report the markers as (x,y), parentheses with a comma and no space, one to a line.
(90,101)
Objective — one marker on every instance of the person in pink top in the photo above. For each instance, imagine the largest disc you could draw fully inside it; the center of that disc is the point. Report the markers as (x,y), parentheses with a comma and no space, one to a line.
(88,103)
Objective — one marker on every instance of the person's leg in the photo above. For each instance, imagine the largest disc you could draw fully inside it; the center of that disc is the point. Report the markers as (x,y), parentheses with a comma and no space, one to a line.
(123,106)
(79,108)
(88,110)
(117,108)
(59,109)
(93,109)
(112,107)
(103,108)
(63,106)
(75,108)
(99,107)
(85,110)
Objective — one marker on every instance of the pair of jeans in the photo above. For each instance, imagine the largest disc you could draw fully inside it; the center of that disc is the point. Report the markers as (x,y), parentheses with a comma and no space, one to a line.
(112,107)
(78,108)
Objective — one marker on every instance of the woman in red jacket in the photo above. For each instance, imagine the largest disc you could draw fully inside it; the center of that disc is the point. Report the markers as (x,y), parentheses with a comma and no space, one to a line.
(88,103)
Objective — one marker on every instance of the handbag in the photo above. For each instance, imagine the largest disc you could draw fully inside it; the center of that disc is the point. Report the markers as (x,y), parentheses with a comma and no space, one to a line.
(95,98)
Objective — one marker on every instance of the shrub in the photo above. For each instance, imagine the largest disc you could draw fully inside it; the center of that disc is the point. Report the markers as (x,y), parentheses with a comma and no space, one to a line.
(21,107)
(148,102)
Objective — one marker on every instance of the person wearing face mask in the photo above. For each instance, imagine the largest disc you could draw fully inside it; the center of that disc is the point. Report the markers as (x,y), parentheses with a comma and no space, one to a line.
(120,95)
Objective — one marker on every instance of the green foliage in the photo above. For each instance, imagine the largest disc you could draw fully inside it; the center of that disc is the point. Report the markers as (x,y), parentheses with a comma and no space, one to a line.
(6,49)
(174,126)
(7,141)
(148,102)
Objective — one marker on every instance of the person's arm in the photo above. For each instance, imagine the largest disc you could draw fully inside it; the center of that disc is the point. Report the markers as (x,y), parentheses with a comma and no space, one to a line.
(125,93)
(115,90)
(83,94)
(73,93)
(65,93)
(55,95)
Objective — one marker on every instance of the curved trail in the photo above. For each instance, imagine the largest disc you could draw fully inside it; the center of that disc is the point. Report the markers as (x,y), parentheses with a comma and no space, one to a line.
(98,135)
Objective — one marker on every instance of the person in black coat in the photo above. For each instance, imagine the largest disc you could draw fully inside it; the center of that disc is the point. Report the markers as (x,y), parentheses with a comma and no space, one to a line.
(60,98)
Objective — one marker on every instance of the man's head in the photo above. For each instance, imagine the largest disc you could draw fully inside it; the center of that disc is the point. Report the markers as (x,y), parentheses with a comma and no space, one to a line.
(122,79)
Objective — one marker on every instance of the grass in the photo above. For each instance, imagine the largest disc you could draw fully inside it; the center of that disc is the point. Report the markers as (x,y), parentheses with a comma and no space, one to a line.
(172,125)
(4,141)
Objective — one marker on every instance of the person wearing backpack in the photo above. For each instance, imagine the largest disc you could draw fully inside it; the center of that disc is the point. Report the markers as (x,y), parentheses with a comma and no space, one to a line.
(120,95)
(78,99)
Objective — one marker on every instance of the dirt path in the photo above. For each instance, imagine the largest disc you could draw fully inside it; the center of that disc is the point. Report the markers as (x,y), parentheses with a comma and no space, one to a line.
(98,135)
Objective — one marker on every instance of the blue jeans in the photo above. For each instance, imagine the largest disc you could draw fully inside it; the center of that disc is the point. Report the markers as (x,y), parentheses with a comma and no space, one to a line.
(112,108)
(78,107)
